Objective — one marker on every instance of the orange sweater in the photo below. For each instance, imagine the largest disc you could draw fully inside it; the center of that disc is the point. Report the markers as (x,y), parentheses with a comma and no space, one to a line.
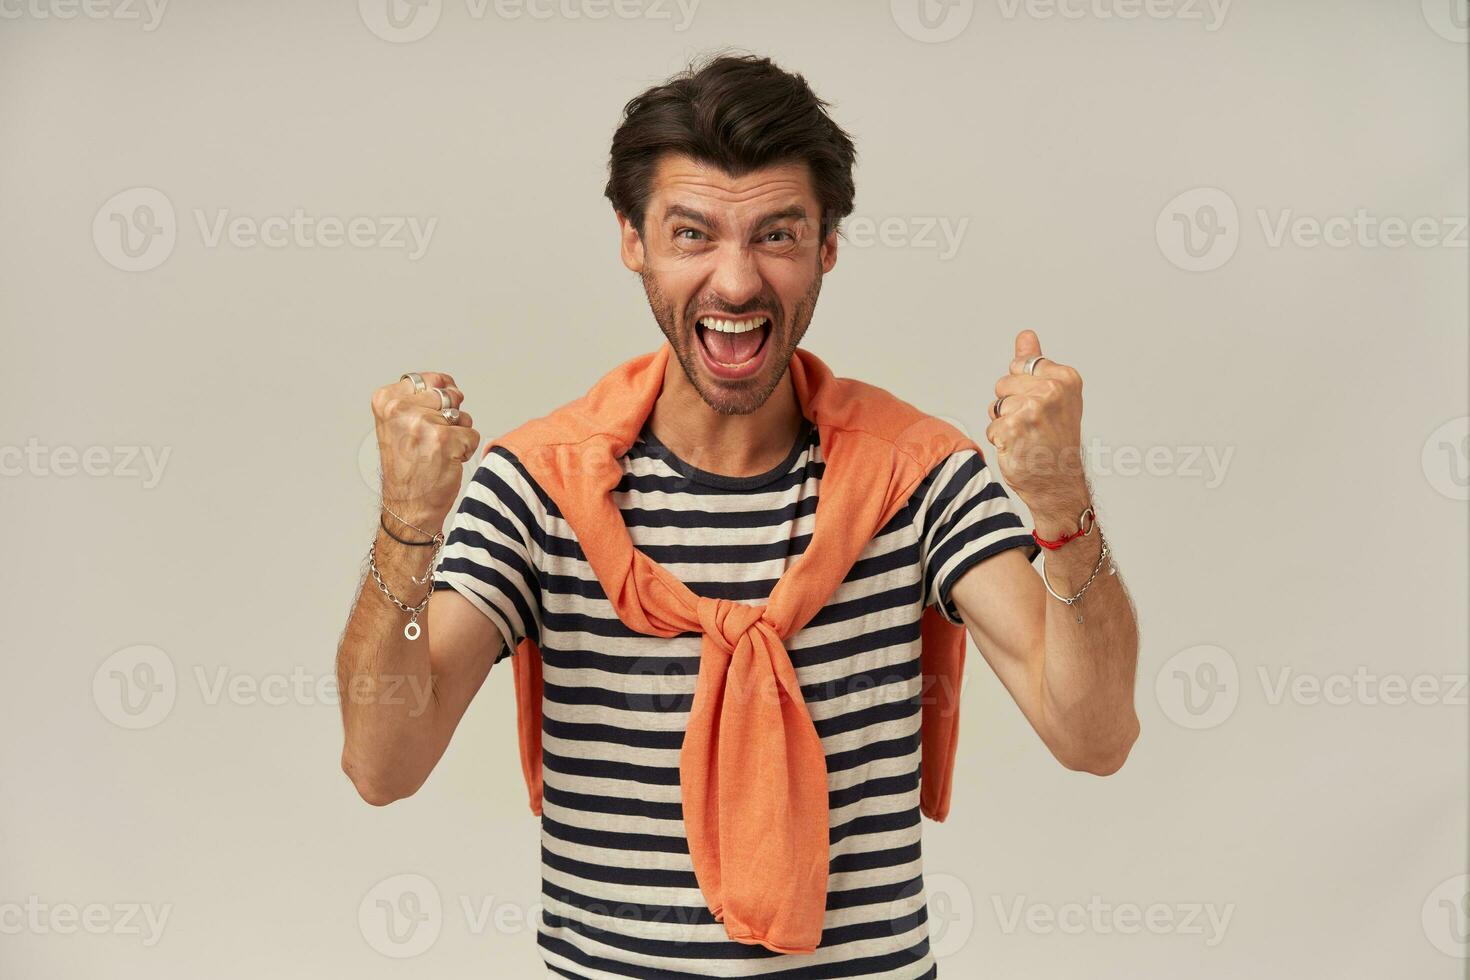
(752,772)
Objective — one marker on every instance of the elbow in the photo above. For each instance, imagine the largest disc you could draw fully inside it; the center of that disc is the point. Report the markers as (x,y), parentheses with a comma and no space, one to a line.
(372,787)
(1101,757)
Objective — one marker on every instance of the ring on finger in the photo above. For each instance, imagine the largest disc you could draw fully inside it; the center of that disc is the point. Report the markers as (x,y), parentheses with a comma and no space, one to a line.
(417,379)
(1033,361)
(444,400)
(451,414)
(996,407)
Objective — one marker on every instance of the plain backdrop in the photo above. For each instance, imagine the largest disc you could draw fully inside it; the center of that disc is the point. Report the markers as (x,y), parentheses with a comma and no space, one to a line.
(1276,420)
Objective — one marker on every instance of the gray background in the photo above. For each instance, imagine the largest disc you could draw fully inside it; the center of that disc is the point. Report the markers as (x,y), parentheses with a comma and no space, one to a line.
(1328,382)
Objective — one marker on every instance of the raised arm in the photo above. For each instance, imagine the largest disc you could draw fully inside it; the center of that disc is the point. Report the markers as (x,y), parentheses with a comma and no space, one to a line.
(1074,681)
(402,698)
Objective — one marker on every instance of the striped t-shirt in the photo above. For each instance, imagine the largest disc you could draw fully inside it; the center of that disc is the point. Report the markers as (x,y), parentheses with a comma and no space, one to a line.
(618,894)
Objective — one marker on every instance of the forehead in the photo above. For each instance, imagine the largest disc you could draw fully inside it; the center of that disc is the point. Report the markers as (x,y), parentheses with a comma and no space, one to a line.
(682,180)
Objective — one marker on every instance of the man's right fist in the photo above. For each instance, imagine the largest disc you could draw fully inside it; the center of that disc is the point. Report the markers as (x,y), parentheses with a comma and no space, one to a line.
(421,453)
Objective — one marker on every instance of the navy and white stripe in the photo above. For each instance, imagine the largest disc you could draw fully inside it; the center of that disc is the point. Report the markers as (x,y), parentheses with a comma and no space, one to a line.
(619,894)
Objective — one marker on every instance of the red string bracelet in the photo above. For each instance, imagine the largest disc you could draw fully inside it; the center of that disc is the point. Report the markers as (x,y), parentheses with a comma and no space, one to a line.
(1085,522)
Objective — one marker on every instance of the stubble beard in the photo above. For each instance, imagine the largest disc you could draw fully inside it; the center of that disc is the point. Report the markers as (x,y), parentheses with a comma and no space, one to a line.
(744,397)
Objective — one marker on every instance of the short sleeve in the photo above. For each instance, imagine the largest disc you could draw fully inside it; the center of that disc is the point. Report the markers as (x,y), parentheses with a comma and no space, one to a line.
(963,515)
(489,555)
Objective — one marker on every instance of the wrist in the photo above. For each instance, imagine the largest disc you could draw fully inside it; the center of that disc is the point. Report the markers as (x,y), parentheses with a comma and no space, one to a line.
(407,521)
(1060,515)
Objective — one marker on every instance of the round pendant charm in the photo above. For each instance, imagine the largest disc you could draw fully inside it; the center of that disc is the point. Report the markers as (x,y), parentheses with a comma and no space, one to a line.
(411,630)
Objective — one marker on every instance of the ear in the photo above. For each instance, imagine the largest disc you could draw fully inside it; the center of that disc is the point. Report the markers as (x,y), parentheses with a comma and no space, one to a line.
(630,243)
(829,251)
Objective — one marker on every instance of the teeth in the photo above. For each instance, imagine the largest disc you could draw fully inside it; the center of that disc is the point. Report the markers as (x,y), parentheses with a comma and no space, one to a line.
(731,326)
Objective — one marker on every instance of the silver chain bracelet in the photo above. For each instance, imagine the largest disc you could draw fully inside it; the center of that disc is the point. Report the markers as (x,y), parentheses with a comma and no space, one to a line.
(412,629)
(437,538)
(1072,600)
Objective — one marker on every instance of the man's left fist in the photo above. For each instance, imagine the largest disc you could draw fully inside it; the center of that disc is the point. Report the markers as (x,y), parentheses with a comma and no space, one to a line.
(1038,432)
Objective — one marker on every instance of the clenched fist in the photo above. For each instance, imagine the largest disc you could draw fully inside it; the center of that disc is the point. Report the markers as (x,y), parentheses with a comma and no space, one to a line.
(1037,432)
(421,452)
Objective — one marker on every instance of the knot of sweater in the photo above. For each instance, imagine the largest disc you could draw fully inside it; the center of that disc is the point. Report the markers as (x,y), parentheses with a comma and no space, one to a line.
(726,622)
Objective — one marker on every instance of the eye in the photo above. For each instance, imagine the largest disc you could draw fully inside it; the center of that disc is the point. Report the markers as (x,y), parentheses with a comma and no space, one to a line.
(694,234)
(780,236)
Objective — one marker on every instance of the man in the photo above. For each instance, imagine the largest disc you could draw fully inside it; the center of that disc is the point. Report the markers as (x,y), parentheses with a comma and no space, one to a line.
(728,184)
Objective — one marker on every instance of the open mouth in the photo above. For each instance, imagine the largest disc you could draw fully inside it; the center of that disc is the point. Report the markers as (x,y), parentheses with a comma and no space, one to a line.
(733,348)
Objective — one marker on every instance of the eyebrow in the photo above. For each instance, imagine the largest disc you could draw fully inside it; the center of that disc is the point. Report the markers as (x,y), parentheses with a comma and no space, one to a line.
(795,211)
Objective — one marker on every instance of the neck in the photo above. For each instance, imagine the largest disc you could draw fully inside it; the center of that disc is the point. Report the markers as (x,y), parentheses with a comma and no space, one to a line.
(729,445)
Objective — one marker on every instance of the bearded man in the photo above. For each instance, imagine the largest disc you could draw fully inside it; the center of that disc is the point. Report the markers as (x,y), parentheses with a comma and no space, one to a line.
(735,589)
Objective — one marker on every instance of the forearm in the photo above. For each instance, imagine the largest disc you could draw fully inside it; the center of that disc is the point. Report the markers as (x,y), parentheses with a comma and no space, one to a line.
(391,730)
(1089,668)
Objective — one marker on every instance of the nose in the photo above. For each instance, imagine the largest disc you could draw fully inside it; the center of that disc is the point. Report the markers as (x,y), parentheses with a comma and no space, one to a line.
(736,278)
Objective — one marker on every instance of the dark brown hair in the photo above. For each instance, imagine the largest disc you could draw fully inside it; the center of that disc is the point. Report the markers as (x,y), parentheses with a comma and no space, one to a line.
(738,113)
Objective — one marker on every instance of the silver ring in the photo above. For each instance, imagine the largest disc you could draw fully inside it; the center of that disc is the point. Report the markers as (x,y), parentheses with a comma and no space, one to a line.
(417,379)
(452,414)
(996,407)
(445,402)
(1033,361)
